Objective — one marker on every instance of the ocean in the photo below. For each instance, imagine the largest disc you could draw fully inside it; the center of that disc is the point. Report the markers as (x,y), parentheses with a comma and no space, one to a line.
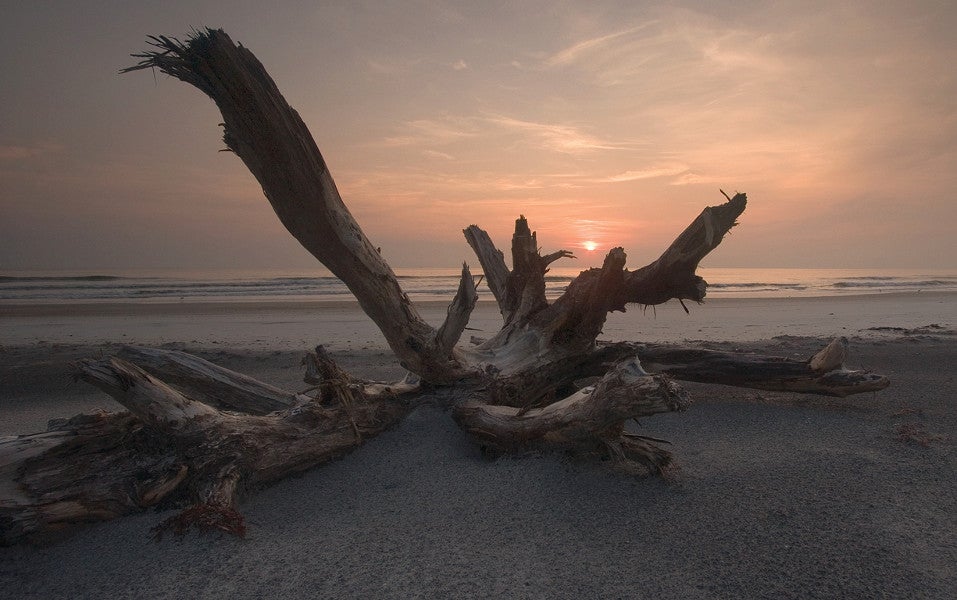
(429,284)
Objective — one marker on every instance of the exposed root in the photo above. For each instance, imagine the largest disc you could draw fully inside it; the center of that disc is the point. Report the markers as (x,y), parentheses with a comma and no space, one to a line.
(206,517)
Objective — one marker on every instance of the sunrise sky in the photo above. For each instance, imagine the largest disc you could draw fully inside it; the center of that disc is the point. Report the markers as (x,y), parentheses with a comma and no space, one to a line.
(612,123)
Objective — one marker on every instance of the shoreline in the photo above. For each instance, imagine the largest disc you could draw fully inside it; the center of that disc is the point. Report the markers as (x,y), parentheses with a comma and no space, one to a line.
(162,306)
(342,325)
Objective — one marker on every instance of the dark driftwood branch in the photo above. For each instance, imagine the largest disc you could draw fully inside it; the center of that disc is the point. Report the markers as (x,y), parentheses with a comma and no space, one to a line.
(274,143)
(197,435)
(324,374)
(574,320)
(823,374)
(174,450)
(673,274)
(558,254)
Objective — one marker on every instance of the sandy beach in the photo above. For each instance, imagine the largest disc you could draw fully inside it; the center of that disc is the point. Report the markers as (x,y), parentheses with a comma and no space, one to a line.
(778,495)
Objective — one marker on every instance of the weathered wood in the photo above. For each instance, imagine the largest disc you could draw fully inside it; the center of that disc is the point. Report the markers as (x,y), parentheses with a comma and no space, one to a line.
(541,383)
(325,375)
(457,318)
(198,435)
(153,402)
(90,468)
(209,383)
(268,135)
(172,450)
(592,417)
(673,274)
(492,260)
(570,325)
(813,376)
(830,357)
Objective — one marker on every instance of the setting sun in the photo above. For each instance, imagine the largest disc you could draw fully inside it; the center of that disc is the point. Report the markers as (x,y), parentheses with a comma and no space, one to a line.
(589,245)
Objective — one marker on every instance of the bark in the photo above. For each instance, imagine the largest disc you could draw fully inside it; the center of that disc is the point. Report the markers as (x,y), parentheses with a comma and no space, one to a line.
(458,315)
(209,383)
(822,374)
(274,143)
(171,450)
(493,263)
(198,436)
(591,418)
(571,324)
(673,274)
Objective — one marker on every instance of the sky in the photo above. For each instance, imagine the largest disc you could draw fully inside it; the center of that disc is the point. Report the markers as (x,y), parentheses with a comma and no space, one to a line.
(605,123)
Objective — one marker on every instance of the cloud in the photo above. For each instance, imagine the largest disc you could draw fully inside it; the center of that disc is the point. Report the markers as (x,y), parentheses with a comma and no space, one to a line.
(431,132)
(691,178)
(437,154)
(460,65)
(664,170)
(32,151)
(578,50)
(556,137)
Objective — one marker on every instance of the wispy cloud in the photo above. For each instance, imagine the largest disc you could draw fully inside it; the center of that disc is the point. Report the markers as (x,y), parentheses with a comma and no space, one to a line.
(661,170)
(557,137)
(14,152)
(404,66)
(691,178)
(436,131)
(437,154)
(578,50)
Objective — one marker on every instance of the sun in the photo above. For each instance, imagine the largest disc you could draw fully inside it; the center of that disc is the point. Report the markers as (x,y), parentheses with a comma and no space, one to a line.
(589,245)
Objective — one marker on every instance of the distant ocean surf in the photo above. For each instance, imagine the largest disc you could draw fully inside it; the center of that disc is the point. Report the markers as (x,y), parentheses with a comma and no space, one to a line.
(435,284)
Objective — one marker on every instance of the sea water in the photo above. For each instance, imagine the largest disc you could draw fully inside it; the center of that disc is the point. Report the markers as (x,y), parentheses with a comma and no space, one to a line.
(430,284)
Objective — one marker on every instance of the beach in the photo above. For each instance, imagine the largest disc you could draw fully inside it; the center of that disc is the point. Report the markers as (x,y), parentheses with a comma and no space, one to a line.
(777,495)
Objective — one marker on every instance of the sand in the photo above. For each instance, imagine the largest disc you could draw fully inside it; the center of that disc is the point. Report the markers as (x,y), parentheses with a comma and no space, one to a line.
(778,495)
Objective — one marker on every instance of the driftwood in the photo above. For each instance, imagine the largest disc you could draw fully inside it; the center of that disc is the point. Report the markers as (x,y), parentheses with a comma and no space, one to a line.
(197,435)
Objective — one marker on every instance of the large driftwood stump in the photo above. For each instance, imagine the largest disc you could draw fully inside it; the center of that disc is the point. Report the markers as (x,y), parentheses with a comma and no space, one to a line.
(197,435)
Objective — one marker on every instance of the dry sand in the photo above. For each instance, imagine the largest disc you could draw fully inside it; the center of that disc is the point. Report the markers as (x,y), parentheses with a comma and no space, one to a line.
(778,496)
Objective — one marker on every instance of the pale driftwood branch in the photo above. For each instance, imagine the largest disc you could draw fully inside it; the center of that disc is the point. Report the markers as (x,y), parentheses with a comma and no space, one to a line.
(149,399)
(274,143)
(458,314)
(830,357)
(209,383)
(590,418)
(492,260)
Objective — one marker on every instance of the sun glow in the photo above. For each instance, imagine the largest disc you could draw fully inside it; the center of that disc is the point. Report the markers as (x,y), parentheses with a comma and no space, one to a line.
(589,245)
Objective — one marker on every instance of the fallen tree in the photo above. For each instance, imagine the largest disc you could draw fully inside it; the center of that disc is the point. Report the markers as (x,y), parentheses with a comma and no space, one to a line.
(197,435)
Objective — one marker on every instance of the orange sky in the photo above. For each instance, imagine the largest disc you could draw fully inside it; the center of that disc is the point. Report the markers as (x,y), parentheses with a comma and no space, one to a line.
(611,122)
